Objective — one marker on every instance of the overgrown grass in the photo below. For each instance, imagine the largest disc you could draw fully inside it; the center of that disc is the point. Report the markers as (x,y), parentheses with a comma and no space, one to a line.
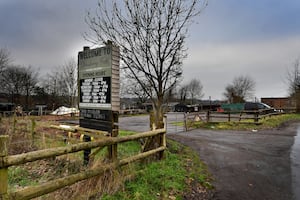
(166,179)
(266,123)
(128,148)
(20,177)
(157,179)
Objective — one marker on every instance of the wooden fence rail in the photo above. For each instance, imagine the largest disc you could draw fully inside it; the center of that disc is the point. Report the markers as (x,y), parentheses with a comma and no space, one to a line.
(45,188)
(209,116)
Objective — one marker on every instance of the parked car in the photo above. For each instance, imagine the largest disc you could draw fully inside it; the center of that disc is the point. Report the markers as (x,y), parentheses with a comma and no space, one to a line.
(257,106)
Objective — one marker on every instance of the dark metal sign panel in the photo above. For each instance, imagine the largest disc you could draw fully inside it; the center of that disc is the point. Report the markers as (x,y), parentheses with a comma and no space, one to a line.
(96,124)
(105,115)
(95,91)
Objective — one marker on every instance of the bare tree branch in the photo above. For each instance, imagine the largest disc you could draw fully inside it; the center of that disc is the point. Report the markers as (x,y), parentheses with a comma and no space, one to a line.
(4,59)
(293,78)
(151,35)
(241,89)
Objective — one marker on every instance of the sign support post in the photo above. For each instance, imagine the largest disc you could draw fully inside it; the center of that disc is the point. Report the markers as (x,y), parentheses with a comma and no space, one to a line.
(99,86)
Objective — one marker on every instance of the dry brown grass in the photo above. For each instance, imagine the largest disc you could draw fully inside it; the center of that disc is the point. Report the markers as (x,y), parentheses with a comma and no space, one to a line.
(23,137)
(108,183)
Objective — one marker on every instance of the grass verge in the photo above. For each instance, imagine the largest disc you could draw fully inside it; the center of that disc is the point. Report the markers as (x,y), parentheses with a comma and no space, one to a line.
(170,178)
(266,123)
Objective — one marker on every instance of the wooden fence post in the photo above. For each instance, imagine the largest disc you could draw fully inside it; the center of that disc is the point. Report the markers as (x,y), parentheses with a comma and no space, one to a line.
(185,121)
(113,149)
(3,170)
(165,122)
(256,117)
(229,116)
(86,152)
(208,116)
(241,113)
(162,139)
(32,131)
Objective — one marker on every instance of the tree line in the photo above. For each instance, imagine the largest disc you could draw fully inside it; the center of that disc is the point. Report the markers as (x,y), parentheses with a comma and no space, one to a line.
(23,85)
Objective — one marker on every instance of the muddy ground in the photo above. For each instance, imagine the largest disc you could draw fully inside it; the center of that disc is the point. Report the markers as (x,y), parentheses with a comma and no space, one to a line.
(246,165)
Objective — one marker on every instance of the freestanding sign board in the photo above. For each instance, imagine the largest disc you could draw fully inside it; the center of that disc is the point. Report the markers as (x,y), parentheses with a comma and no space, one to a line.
(98,75)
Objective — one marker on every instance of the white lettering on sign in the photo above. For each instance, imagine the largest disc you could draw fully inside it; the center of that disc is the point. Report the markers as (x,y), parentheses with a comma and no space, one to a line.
(96,90)
(94,53)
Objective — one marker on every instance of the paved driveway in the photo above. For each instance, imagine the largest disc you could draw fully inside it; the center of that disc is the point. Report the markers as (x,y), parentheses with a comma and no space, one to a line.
(141,123)
(246,165)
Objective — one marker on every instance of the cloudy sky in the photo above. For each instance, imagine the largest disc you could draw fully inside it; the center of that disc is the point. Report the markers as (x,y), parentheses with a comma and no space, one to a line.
(259,38)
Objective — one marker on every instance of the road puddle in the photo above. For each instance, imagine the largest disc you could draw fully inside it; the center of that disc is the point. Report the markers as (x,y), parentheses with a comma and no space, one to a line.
(295,158)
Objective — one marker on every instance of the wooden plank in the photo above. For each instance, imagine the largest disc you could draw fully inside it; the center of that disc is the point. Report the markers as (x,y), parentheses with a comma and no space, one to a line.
(3,183)
(50,186)
(3,170)
(3,145)
(93,131)
(47,153)
(75,129)
(113,149)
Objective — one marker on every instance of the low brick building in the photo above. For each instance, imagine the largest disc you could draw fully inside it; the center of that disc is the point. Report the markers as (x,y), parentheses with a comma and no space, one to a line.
(280,103)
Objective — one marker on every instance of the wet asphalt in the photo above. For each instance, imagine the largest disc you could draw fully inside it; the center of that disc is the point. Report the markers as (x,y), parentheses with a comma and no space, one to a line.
(244,164)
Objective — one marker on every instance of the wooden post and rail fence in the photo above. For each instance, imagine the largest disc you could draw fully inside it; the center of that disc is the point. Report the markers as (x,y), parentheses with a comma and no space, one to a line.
(228,116)
(7,161)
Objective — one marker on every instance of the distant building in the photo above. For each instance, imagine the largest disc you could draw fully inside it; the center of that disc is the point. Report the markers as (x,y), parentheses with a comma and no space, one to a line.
(6,107)
(280,103)
(186,108)
(201,106)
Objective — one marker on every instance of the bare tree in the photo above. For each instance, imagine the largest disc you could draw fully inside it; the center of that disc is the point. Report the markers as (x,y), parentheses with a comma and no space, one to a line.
(12,80)
(4,63)
(30,81)
(49,83)
(293,78)
(194,90)
(17,81)
(183,92)
(130,89)
(241,89)
(4,59)
(151,36)
(69,79)
(61,84)
(230,94)
(50,87)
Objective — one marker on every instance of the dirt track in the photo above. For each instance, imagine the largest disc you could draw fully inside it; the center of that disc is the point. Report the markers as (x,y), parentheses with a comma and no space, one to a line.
(246,165)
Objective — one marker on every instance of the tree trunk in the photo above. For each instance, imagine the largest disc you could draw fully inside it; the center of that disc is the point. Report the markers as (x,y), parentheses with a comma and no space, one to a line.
(27,100)
(159,113)
(156,122)
(297,96)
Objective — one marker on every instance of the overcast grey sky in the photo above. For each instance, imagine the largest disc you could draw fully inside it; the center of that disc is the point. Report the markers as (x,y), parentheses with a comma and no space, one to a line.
(259,38)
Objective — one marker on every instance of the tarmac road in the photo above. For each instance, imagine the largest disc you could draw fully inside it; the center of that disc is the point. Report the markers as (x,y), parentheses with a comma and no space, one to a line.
(246,165)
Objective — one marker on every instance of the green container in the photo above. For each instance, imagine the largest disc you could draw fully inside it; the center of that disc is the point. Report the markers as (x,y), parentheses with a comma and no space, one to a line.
(233,107)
